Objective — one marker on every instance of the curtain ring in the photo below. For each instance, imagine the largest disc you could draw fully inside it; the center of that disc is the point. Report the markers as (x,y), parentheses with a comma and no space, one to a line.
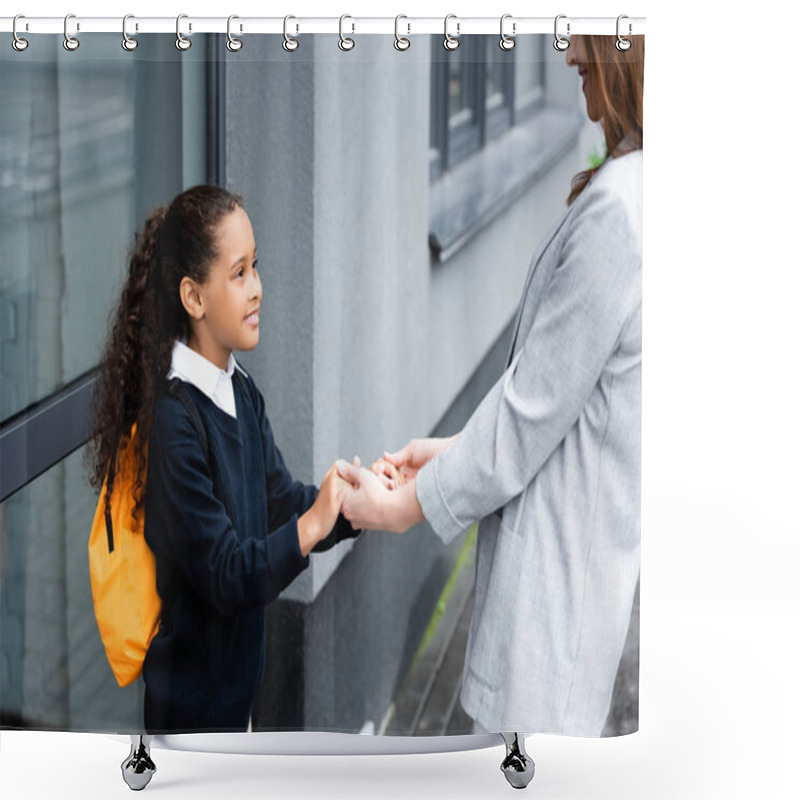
(128,42)
(70,42)
(623,44)
(19,44)
(451,42)
(182,43)
(289,44)
(345,43)
(401,43)
(233,44)
(560,43)
(506,42)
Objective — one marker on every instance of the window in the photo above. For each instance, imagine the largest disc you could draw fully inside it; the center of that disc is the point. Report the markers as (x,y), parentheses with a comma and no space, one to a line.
(528,76)
(85,153)
(492,132)
(478,91)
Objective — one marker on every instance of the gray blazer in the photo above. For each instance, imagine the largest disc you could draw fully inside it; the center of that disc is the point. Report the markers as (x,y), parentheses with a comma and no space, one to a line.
(550,463)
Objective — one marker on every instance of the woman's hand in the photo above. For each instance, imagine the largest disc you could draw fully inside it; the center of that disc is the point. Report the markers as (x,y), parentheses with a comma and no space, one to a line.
(371,506)
(414,456)
(318,521)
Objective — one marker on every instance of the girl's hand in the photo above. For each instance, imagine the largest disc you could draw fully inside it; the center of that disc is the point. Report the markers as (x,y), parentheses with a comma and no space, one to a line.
(332,492)
(318,521)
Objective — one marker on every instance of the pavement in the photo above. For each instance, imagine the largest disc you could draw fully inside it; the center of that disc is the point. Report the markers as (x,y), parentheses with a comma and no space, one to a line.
(428,702)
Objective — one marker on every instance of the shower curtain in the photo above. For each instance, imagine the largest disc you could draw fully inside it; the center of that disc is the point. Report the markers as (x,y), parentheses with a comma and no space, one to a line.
(401,201)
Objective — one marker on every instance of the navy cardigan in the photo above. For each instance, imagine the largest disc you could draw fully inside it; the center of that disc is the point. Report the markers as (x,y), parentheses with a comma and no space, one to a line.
(224,535)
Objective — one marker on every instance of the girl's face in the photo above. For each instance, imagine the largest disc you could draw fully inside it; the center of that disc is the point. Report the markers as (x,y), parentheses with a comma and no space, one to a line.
(577,56)
(230,299)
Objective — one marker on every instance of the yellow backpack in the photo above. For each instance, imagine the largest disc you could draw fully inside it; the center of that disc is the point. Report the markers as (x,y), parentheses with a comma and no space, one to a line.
(122,567)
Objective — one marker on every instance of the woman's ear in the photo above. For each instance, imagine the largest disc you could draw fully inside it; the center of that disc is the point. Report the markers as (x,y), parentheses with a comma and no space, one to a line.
(191,298)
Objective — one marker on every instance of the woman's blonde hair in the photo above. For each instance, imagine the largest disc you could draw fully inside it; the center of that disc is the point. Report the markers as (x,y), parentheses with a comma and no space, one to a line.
(619,78)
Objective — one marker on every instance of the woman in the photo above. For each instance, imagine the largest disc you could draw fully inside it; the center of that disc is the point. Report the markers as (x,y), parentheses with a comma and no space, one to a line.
(550,460)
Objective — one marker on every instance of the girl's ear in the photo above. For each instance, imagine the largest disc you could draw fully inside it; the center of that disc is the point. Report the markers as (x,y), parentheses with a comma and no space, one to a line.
(191,298)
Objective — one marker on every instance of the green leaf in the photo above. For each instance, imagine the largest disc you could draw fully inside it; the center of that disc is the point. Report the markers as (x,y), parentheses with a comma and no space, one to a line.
(596,157)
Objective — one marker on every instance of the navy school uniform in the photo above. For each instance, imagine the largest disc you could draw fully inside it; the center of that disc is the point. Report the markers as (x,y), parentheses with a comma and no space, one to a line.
(225,539)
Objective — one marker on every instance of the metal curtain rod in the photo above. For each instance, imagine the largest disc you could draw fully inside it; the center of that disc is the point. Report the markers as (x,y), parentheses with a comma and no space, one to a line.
(408,26)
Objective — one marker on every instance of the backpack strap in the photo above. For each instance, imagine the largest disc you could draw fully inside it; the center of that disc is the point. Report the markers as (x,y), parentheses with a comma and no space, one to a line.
(176,388)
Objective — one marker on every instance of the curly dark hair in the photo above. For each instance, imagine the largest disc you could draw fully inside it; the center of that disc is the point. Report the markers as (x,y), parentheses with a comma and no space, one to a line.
(175,242)
(620,78)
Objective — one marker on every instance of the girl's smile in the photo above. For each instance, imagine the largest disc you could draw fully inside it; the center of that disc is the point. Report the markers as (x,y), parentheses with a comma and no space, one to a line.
(252,317)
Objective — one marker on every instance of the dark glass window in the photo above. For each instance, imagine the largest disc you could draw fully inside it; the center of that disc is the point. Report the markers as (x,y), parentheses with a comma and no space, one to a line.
(85,154)
(479,91)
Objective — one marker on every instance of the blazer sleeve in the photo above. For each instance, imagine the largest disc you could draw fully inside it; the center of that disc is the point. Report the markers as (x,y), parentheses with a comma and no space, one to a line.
(595,288)
(286,497)
(232,574)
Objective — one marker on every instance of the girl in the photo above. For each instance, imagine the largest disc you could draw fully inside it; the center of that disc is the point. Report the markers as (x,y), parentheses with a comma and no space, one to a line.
(549,462)
(228,533)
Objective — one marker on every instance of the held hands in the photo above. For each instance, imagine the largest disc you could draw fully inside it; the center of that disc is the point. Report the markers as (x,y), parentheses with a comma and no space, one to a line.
(372,505)
(384,497)
(368,498)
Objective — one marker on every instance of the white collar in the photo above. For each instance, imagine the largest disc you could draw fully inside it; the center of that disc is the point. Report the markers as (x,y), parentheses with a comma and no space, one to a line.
(215,383)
